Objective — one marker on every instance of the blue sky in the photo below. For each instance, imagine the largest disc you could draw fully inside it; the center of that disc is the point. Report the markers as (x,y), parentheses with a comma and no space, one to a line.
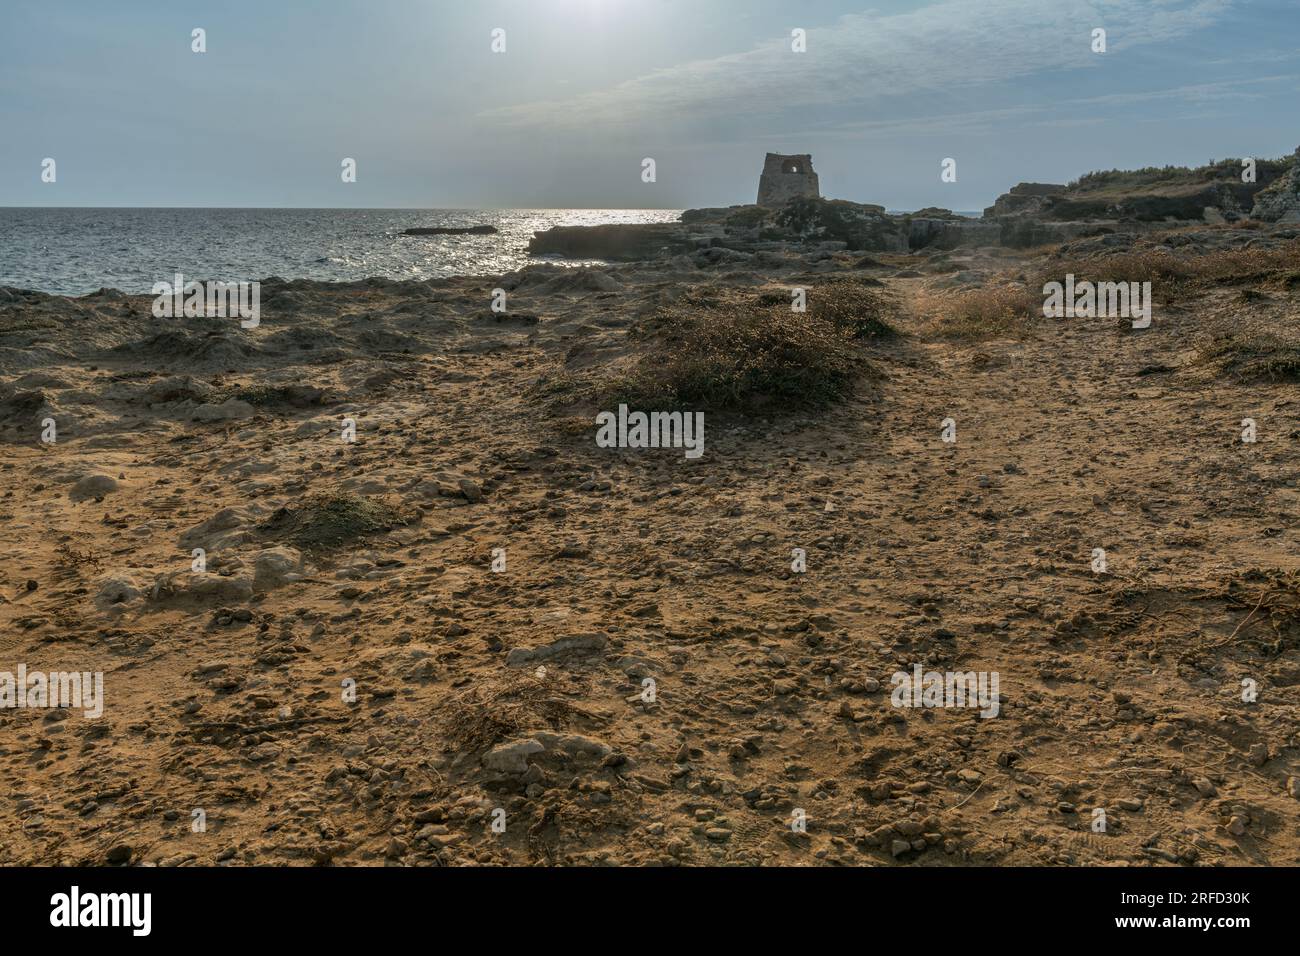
(587,88)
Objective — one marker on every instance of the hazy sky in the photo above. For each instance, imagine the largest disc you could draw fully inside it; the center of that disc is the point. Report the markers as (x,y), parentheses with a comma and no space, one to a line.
(587,88)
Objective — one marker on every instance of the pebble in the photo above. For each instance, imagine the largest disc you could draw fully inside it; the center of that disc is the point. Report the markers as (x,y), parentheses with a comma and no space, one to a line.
(119,854)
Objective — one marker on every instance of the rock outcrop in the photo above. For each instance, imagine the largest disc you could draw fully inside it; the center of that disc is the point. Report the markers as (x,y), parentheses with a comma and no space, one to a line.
(1024,198)
(857,225)
(614,242)
(791,217)
(950,233)
(1280,200)
(450,231)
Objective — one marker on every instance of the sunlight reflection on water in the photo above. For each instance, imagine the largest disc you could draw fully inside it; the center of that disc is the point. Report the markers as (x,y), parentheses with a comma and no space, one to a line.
(75,251)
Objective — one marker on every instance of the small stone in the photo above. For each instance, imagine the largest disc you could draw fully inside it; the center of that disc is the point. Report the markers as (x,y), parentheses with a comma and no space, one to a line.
(512,757)
(93,486)
(119,854)
(263,752)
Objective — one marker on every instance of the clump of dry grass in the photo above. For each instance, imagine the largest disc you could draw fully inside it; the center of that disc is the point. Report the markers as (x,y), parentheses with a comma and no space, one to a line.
(1250,356)
(1170,271)
(332,519)
(1005,308)
(492,711)
(719,349)
(69,562)
(853,307)
(1001,310)
(1152,265)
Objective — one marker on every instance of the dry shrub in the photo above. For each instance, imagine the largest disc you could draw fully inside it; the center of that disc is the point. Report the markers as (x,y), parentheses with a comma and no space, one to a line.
(69,562)
(1171,270)
(507,706)
(1003,310)
(722,350)
(1010,310)
(853,307)
(1152,266)
(1251,356)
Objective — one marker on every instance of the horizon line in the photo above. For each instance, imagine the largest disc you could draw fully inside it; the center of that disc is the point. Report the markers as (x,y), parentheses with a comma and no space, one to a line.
(438,208)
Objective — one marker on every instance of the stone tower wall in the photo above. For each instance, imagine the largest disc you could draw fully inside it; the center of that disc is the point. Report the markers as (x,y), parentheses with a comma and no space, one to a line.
(787,177)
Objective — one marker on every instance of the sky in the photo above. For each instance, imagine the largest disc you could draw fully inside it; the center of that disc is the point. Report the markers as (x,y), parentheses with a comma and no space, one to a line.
(585,90)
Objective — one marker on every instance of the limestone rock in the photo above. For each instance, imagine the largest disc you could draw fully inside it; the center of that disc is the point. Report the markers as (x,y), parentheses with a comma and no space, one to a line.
(1025,199)
(230,410)
(512,756)
(276,566)
(92,486)
(572,644)
(119,588)
(1280,200)
(226,528)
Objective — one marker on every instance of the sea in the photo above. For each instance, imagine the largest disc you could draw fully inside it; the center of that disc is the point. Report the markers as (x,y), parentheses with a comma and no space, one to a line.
(75,251)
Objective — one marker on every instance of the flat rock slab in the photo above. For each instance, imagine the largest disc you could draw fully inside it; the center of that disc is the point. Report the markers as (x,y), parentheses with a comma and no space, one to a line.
(572,644)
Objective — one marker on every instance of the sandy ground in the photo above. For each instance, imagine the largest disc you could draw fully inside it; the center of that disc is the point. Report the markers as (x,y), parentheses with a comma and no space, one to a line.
(226,691)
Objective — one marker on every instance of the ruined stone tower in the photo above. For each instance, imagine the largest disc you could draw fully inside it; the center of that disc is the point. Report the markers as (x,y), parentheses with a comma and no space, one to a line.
(786,177)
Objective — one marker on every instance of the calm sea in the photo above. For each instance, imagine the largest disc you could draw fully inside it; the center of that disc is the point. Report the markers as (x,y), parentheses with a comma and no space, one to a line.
(75,251)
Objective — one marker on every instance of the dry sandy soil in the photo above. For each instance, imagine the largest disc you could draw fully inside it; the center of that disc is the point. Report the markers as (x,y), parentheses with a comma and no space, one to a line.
(331,562)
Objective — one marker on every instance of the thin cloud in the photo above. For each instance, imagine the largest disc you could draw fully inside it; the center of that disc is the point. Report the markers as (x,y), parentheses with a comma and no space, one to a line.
(951,45)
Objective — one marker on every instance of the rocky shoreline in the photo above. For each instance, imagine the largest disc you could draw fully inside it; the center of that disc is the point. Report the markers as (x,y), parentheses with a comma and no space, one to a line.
(1029,214)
